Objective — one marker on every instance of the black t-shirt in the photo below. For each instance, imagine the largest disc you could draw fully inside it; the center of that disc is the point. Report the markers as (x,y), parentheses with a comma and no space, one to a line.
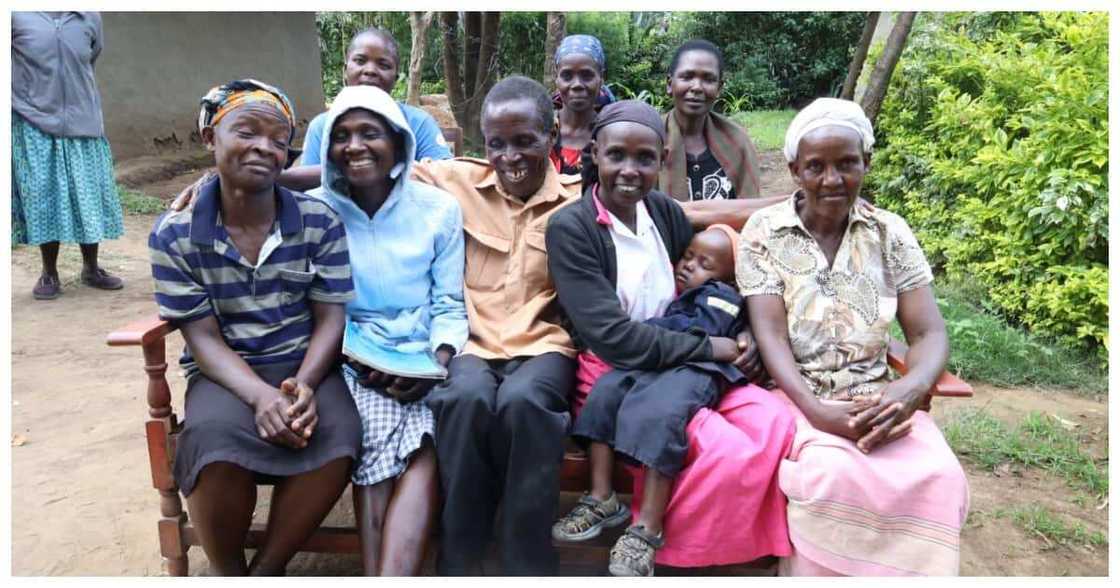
(706,178)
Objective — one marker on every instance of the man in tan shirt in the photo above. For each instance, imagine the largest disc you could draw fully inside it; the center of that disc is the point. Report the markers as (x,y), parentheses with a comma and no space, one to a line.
(502,415)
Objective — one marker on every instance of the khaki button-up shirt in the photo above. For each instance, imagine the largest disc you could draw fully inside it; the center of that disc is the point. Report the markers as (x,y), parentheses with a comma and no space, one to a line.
(511,300)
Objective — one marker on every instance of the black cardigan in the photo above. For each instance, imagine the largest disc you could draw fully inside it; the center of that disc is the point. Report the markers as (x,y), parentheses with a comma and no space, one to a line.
(582,261)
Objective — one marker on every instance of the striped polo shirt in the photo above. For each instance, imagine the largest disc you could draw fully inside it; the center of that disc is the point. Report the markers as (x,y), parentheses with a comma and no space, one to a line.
(263,310)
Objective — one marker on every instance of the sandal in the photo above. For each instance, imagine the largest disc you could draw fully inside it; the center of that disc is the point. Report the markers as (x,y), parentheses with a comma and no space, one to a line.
(102,280)
(589,517)
(47,288)
(632,554)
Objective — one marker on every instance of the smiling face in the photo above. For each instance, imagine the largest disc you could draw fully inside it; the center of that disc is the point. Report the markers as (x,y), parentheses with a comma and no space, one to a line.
(578,80)
(517,145)
(708,257)
(250,146)
(696,83)
(629,156)
(364,147)
(371,61)
(829,168)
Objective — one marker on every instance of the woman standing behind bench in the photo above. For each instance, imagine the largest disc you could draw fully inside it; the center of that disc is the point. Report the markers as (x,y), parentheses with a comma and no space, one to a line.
(581,66)
(256,277)
(372,59)
(407,244)
(712,166)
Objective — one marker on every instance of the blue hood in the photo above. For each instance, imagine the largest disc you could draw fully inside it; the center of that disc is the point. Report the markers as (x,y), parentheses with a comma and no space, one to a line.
(334,186)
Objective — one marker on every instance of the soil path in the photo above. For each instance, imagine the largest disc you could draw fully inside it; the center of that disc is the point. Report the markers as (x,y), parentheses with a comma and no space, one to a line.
(82,501)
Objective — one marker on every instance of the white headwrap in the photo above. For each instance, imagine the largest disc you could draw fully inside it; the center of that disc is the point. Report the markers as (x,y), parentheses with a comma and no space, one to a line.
(825,112)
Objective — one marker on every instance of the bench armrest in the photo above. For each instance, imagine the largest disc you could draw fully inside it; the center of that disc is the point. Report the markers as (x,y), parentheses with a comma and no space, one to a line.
(141,332)
(946,385)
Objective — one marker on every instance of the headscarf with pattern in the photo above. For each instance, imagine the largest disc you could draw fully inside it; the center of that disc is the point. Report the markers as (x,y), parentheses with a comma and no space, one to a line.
(583,45)
(221,100)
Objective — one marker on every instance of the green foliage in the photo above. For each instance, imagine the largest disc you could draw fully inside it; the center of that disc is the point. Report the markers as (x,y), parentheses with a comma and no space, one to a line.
(994,147)
(638,46)
(337,28)
(766,127)
(135,202)
(780,58)
(1053,528)
(773,59)
(521,44)
(1039,441)
(983,347)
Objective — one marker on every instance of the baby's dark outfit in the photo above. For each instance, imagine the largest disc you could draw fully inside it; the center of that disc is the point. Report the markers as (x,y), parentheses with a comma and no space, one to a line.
(641,414)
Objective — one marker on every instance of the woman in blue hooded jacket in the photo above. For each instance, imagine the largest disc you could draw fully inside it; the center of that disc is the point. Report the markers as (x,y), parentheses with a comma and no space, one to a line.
(406,257)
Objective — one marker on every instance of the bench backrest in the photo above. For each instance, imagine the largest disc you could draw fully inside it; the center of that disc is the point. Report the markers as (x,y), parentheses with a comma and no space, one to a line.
(454,137)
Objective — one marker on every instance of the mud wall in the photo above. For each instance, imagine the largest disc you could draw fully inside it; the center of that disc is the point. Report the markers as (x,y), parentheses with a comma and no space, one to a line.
(156,67)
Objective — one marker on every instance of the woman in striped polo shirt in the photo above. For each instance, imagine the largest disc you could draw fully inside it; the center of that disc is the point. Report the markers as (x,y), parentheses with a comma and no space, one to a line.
(256,277)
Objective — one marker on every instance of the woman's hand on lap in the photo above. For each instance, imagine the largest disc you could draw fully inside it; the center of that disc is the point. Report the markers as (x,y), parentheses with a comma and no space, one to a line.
(408,390)
(304,411)
(273,423)
(724,349)
(371,378)
(840,418)
(890,417)
(749,359)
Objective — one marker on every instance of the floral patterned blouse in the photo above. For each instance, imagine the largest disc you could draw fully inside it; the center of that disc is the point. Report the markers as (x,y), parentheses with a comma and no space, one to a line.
(838,317)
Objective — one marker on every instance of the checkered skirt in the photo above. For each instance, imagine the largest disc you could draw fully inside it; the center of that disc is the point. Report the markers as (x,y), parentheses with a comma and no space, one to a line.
(391,431)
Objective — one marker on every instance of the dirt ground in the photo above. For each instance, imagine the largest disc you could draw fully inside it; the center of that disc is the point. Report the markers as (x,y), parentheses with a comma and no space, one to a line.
(82,501)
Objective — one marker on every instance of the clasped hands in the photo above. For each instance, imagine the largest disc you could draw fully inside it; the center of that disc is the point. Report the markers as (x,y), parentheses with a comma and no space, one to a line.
(871,420)
(287,416)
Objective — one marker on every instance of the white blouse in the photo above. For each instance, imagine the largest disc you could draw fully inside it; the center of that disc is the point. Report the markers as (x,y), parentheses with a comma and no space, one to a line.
(645,284)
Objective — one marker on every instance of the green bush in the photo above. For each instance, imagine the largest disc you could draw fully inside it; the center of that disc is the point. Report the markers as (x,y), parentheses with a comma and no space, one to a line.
(780,58)
(994,147)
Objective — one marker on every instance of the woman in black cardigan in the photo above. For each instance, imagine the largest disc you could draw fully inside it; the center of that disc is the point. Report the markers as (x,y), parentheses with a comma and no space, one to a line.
(730,472)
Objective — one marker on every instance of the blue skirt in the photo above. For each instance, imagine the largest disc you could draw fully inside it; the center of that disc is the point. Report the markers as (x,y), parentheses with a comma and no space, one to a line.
(63,188)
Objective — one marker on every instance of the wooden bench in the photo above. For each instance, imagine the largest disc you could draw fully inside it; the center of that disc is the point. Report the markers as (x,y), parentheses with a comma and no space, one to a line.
(177,534)
(454,138)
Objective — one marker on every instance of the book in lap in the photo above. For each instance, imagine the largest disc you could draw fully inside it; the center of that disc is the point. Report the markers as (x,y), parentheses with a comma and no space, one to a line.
(417,364)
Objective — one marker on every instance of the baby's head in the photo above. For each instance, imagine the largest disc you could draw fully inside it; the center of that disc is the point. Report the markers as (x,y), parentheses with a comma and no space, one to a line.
(710,256)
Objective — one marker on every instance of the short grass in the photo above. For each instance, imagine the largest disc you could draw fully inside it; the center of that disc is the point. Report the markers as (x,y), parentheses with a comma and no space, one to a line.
(136,202)
(985,348)
(1052,528)
(1038,441)
(766,127)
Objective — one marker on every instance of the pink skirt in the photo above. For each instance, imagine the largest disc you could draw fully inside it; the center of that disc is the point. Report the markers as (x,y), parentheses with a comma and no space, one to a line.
(896,511)
(726,506)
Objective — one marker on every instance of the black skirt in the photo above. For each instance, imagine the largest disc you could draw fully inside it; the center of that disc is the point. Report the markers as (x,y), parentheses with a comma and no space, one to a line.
(218,426)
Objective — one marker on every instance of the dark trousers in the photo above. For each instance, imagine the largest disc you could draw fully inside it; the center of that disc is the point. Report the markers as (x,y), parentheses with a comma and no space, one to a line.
(500,428)
(643,415)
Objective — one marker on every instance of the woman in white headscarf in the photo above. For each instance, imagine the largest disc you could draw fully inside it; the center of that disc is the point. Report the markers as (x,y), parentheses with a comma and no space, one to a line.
(873,487)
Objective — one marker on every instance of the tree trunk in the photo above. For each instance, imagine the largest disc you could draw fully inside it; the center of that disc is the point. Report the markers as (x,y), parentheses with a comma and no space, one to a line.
(449,22)
(856,67)
(881,75)
(418,23)
(472,42)
(469,81)
(556,29)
